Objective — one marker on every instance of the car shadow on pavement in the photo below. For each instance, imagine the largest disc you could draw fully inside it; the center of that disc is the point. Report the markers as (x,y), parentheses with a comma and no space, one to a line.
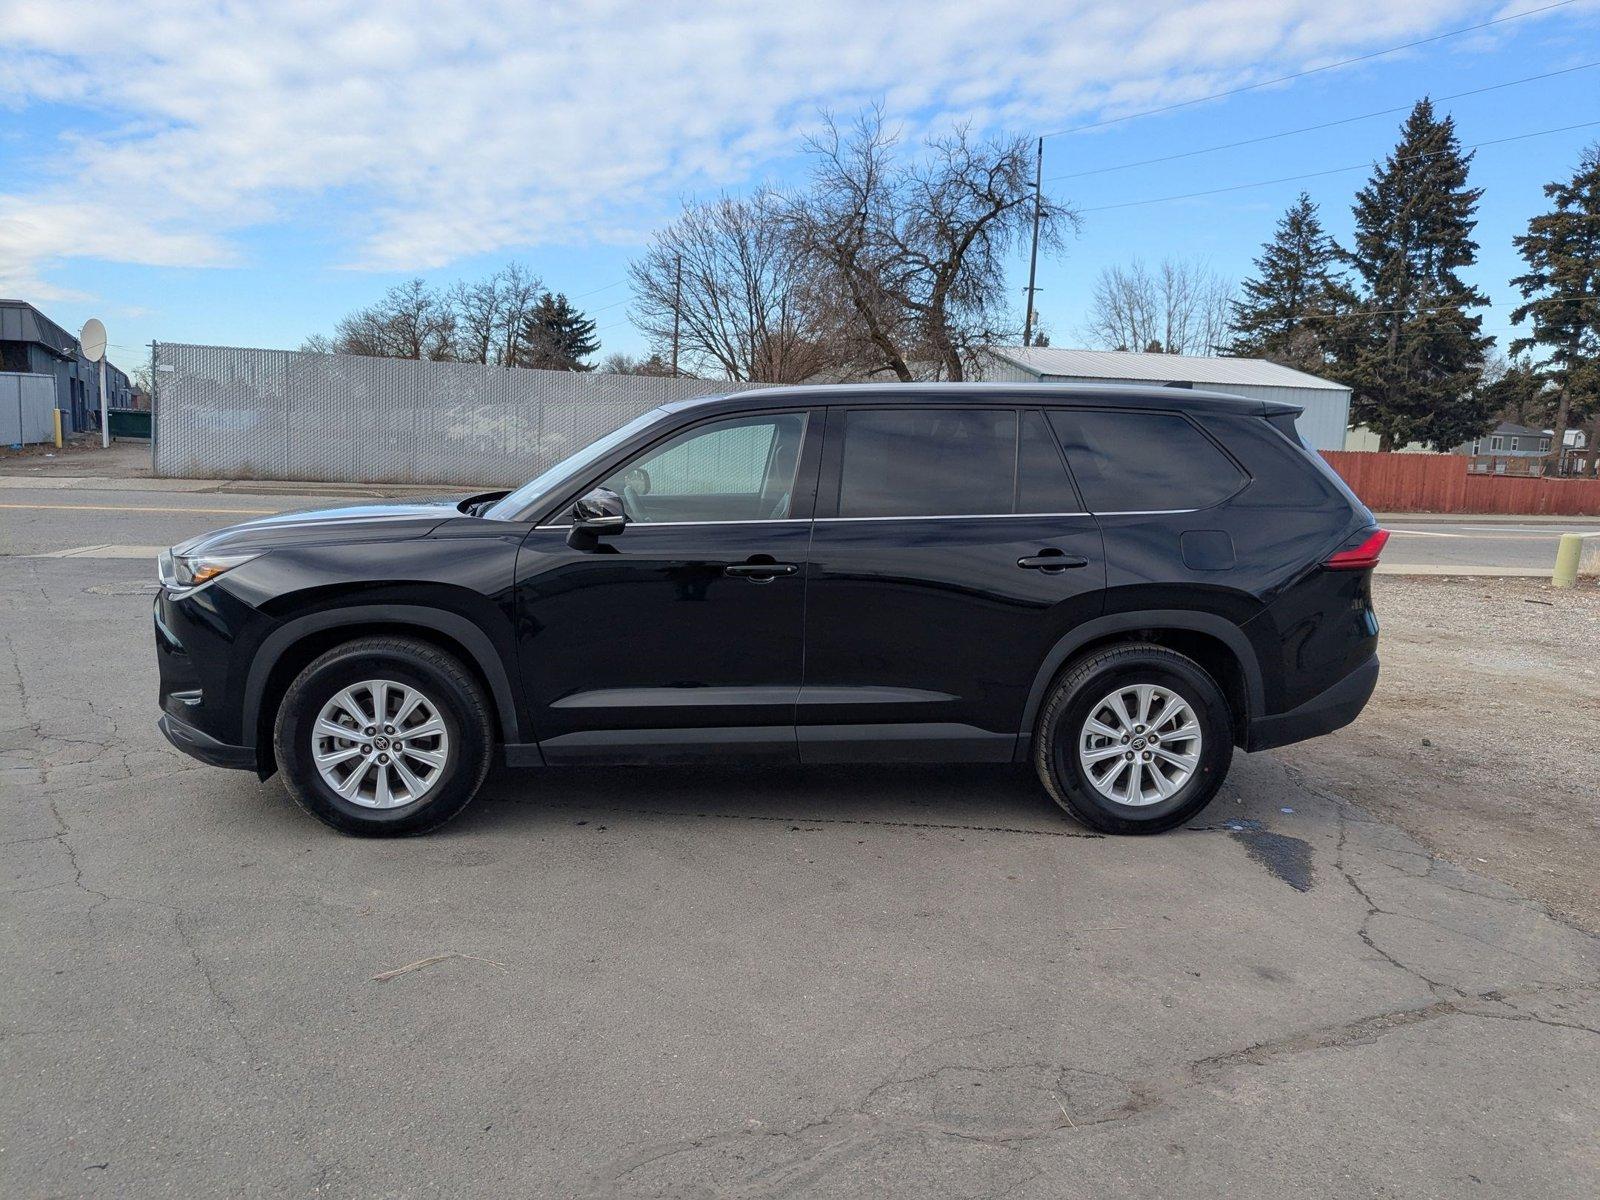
(1000,798)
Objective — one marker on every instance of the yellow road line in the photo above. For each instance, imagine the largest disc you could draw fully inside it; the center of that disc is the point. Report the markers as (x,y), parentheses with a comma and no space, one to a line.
(243,512)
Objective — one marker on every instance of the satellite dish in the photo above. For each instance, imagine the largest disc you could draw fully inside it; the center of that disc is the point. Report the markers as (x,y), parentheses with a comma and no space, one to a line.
(93,340)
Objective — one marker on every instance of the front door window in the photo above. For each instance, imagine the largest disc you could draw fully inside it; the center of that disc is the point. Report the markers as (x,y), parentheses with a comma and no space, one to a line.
(736,470)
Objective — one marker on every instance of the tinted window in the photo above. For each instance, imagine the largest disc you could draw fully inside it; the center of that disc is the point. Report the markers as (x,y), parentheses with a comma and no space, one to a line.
(1143,462)
(1042,483)
(930,462)
(736,470)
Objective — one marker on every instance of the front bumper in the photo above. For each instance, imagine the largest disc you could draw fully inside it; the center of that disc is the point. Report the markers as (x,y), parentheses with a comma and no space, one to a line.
(203,746)
(1328,710)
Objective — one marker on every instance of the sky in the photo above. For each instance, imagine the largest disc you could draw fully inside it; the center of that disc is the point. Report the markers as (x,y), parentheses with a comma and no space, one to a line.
(245,174)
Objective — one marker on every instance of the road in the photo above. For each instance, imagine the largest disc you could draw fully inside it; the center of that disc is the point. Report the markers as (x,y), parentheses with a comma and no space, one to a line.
(39,519)
(1467,543)
(779,983)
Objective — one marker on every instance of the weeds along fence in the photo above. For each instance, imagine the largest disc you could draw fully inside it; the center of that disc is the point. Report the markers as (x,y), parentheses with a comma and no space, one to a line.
(1442,483)
(227,412)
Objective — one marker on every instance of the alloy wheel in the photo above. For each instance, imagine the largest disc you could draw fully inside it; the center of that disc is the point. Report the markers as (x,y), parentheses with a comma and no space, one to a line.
(380,744)
(1140,744)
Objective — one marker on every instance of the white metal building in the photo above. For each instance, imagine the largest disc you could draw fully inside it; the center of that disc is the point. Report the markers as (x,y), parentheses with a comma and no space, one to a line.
(1326,404)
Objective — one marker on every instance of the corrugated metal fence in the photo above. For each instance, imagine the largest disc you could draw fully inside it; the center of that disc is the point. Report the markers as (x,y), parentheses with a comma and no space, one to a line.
(1441,483)
(230,412)
(26,401)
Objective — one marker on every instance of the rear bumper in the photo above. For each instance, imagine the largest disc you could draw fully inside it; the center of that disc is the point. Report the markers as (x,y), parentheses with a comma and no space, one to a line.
(203,746)
(1323,713)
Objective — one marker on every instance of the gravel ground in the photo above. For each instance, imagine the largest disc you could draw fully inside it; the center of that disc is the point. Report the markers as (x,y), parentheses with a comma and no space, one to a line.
(1483,739)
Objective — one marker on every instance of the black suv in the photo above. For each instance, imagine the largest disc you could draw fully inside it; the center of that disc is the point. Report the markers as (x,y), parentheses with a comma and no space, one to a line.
(1117,584)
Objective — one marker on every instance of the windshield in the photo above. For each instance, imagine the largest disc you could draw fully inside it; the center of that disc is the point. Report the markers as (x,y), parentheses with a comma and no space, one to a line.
(511,506)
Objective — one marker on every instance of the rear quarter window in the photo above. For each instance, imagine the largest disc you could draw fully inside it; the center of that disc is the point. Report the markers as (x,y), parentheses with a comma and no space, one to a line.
(1127,461)
(1285,471)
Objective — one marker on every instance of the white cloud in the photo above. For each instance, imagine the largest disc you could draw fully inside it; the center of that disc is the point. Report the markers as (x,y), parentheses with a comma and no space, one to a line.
(433,132)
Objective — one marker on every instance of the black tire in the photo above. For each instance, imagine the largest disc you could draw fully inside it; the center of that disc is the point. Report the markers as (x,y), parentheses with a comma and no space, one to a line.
(449,688)
(1076,696)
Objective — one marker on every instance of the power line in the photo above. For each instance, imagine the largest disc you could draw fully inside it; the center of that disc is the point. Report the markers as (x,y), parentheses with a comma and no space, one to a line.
(1358,312)
(1237,187)
(1382,112)
(618,283)
(1360,58)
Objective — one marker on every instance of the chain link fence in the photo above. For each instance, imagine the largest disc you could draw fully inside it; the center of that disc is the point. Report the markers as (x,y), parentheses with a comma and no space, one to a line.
(233,413)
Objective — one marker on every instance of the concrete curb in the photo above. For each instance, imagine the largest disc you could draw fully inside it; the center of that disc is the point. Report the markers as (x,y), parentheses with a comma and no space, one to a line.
(1481,519)
(1464,571)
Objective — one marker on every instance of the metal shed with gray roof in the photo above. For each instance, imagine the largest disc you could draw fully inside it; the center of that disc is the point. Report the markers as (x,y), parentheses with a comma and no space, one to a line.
(1326,404)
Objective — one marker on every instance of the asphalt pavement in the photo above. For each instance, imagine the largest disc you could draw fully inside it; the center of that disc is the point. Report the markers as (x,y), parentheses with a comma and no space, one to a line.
(866,982)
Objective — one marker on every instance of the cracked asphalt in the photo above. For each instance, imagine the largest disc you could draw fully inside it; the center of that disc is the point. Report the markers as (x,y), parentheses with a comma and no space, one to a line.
(885,982)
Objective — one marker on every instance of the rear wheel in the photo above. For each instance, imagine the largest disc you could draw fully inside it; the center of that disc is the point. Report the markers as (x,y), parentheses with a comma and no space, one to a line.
(1134,739)
(383,737)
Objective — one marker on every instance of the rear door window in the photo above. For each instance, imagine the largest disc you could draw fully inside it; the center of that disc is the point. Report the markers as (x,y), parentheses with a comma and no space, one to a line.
(1042,484)
(928,462)
(1143,461)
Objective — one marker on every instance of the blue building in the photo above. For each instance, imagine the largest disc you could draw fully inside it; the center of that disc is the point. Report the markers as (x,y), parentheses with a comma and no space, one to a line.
(31,343)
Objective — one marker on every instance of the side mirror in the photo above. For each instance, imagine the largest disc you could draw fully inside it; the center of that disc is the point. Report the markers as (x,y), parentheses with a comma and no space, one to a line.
(599,514)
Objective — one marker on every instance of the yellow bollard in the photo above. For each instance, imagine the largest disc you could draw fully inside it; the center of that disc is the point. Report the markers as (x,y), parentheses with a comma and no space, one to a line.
(1566,572)
(57,412)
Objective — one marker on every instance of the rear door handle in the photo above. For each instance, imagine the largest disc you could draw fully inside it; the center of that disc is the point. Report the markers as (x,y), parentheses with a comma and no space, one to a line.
(1053,563)
(761,572)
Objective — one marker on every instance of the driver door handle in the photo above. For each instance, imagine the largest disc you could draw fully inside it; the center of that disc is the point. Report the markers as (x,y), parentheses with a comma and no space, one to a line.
(1052,561)
(761,572)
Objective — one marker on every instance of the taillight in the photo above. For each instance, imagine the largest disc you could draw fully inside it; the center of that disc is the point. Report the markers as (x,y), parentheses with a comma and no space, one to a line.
(1362,557)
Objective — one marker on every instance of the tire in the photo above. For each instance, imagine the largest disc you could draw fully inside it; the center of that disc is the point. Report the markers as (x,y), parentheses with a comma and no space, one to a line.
(410,790)
(1169,795)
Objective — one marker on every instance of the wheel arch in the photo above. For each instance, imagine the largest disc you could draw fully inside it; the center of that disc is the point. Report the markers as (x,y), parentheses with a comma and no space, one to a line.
(289,648)
(1216,643)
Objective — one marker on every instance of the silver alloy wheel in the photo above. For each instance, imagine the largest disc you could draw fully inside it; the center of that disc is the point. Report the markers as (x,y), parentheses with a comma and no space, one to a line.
(1140,744)
(380,744)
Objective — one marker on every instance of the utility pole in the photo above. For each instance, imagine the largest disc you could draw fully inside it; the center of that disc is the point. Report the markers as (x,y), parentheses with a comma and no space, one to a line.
(105,412)
(677,303)
(1033,254)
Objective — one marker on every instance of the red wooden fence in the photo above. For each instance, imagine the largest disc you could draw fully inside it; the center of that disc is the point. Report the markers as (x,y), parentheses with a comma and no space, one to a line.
(1440,483)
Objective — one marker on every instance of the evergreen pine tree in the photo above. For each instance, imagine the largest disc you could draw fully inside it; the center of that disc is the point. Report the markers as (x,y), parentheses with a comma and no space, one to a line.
(557,337)
(1288,305)
(1415,352)
(1562,290)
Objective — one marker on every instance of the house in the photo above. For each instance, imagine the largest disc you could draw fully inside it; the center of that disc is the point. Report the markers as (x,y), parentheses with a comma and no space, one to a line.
(1511,440)
(1326,404)
(32,344)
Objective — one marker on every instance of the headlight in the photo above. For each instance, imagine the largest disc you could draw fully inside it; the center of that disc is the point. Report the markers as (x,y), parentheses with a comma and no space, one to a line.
(182,572)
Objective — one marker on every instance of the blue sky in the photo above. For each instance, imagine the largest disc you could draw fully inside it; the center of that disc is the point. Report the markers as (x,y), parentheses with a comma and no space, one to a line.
(245,174)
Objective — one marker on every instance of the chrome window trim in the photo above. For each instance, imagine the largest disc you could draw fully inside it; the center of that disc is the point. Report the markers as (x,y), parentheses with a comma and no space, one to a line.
(671,524)
(1148,512)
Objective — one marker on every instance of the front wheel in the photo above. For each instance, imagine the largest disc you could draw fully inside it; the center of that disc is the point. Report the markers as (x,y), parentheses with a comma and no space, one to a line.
(383,736)
(1134,739)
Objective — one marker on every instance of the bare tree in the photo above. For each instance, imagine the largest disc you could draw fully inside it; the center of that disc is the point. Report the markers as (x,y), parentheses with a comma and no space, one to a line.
(479,309)
(411,321)
(726,282)
(618,363)
(520,292)
(1179,308)
(912,254)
